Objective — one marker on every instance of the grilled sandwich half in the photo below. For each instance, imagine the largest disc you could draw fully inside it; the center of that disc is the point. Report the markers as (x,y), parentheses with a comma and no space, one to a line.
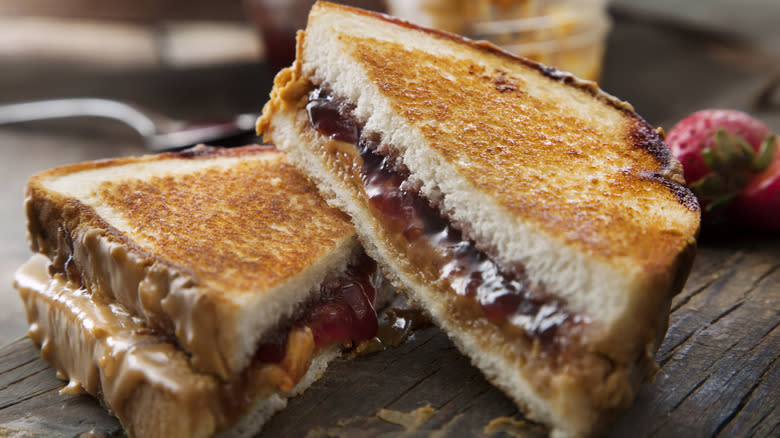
(541,222)
(190,290)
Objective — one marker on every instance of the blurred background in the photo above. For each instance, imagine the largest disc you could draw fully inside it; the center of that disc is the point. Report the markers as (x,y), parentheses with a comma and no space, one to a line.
(203,60)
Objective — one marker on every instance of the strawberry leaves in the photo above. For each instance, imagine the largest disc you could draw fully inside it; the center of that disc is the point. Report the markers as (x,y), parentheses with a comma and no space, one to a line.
(733,163)
(766,153)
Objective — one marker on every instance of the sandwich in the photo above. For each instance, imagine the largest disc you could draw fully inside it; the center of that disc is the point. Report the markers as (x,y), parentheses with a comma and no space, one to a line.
(192,292)
(540,222)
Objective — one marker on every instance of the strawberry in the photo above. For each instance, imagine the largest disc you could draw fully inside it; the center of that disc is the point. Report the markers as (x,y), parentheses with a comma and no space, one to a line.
(730,163)
(758,205)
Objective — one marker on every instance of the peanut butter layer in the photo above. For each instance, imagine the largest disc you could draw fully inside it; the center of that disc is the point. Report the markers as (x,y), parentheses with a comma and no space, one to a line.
(102,350)
(140,374)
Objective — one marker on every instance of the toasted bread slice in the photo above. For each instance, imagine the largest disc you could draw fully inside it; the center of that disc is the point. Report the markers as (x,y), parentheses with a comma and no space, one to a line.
(541,222)
(138,373)
(216,247)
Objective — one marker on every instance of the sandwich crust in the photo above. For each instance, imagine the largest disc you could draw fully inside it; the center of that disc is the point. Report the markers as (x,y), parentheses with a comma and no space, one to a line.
(547,175)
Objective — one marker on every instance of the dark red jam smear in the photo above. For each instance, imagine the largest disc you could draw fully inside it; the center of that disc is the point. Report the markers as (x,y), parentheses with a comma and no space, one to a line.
(344,313)
(504,298)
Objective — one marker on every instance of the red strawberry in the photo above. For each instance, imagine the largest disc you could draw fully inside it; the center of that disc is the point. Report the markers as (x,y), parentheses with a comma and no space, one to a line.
(758,205)
(726,156)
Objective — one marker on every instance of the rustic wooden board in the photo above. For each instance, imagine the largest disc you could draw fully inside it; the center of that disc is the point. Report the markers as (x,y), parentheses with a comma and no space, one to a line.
(31,406)
(718,373)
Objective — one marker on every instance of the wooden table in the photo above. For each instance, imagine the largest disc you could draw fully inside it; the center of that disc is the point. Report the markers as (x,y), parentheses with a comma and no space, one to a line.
(719,372)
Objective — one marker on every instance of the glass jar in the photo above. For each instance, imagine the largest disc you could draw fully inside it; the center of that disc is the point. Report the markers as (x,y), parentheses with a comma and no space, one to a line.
(565,34)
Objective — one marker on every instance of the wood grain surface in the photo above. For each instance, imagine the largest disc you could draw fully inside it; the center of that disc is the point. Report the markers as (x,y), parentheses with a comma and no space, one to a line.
(719,374)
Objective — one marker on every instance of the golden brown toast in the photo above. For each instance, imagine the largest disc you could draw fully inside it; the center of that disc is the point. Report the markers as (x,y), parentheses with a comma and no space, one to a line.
(570,197)
(214,246)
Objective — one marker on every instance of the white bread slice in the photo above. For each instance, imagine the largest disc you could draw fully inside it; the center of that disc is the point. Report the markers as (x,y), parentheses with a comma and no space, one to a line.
(144,379)
(541,169)
(214,246)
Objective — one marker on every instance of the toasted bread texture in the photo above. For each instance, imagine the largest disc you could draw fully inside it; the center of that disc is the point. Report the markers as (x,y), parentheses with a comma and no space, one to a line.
(545,172)
(138,373)
(212,246)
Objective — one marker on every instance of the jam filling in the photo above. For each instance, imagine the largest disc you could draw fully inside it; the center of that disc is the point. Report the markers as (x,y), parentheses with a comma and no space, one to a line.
(343,313)
(505,299)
